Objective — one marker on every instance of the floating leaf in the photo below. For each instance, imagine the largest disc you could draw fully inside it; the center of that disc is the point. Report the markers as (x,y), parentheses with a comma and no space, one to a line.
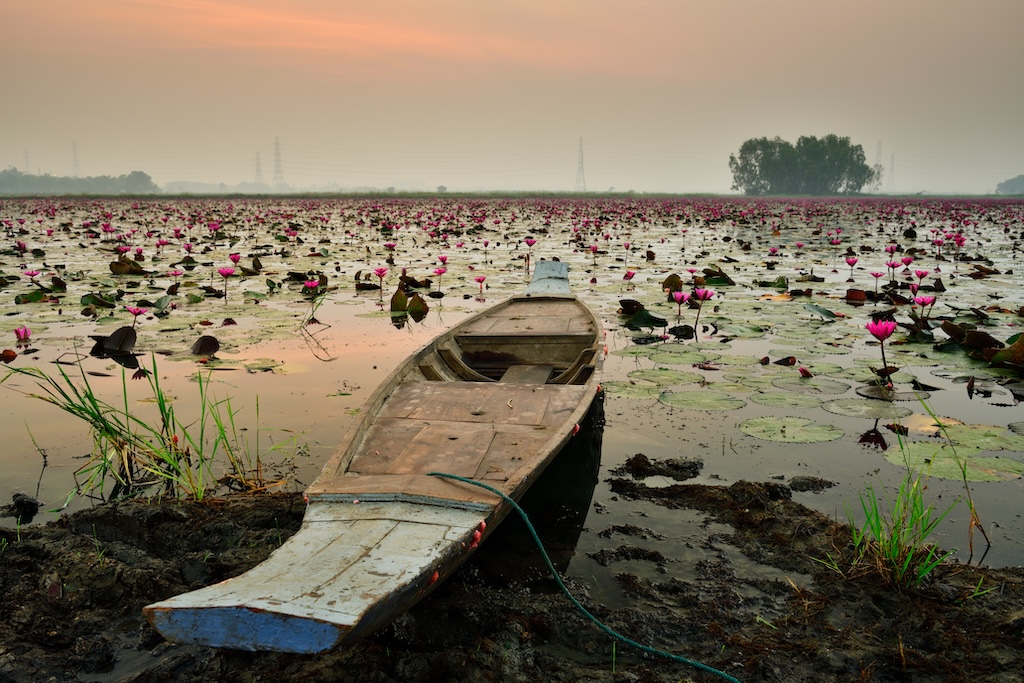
(207,345)
(790,430)
(866,408)
(665,377)
(122,340)
(701,399)
(818,310)
(944,461)
(811,385)
(631,389)
(785,399)
(984,437)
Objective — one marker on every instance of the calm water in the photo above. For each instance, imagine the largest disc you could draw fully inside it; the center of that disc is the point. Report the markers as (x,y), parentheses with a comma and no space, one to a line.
(318,384)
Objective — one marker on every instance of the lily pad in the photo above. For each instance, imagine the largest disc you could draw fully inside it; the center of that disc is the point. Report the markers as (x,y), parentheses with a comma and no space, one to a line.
(866,408)
(665,377)
(811,385)
(942,460)
(790,430)
(785,399)
(701,400)
(631,389)
(984,437)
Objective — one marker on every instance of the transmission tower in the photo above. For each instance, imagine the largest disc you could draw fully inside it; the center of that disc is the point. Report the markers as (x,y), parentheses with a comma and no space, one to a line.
(259,171)
(892,173)
(581,178)
(278,166)
(876,184)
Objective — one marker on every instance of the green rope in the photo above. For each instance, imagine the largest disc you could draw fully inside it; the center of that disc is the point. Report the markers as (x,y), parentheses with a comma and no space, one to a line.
(561,584)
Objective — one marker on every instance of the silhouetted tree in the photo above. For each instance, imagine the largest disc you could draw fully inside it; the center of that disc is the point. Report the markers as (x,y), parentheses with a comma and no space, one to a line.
(826,166)
(1011,186)
(14,182)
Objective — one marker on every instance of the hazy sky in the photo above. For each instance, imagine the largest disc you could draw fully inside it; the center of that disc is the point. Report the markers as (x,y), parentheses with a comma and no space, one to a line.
(496,94)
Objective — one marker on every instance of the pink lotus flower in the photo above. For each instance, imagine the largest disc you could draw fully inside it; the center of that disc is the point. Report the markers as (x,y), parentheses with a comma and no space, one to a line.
(226,272)
(681,298)
(32,274)
(530,241)
(235,258)
(311,284)
(479,279)
(22,334)
(881,329)
(442,259)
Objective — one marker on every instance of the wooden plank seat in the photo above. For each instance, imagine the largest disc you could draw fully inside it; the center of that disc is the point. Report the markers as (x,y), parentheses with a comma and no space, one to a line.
(573,372)
(527,374)
(459,367)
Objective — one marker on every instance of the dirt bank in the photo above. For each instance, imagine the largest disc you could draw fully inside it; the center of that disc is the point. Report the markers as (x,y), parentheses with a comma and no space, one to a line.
(73,592)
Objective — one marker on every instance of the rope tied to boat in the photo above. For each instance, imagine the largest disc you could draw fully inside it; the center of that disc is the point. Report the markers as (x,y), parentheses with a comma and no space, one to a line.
(576,603)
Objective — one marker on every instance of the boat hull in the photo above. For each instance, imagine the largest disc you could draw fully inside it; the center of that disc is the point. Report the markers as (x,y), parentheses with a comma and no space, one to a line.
(493,400)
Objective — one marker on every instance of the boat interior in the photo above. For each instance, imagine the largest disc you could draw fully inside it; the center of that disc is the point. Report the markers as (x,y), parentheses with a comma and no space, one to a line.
(520,345)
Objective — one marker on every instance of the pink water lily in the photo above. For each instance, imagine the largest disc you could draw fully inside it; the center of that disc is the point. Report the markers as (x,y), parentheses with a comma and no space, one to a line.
(22,334)
(681,298)
(700,295)
(479,279)
(881,330)
(135,312)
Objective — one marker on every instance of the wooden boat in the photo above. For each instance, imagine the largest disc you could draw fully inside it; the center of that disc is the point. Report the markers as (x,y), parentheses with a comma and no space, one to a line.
(492,400)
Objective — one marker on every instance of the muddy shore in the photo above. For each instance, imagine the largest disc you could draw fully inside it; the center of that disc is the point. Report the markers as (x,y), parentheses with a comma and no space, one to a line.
(74,589)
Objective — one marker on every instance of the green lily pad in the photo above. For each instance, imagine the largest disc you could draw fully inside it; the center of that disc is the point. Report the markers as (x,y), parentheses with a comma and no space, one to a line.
(785,399)
(942,460)
(665,377)
(984,437)
(701,400)
(790,430)
(691,358)
(631,389)
(811,385)
(866,408)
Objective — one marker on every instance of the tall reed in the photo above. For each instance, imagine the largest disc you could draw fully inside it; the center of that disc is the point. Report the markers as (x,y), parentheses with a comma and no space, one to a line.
(133,454)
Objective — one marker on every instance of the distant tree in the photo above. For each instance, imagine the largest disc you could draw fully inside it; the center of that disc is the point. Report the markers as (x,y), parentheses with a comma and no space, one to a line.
(13,182)
(826,166)
(1011,186)
(441,189)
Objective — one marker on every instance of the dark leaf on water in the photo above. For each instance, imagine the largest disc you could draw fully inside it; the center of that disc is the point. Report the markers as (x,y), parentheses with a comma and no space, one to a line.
(630,306)
(32,297)
(399,301)
(122,340)
(673,283)
(644,319)
(681,331)
(96,300)
(207,345)
(417,308)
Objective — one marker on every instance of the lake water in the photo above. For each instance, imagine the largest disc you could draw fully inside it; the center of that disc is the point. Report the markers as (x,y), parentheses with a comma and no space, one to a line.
(309,381)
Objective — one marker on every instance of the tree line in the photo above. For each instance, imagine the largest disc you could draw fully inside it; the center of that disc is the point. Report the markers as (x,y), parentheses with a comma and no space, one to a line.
(827,166)
(14,182)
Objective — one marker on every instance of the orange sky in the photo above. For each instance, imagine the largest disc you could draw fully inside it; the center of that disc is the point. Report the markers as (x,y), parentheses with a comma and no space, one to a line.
(496,95)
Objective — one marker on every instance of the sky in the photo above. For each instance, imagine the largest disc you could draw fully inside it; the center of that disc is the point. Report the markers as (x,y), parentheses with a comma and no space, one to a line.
(501,94)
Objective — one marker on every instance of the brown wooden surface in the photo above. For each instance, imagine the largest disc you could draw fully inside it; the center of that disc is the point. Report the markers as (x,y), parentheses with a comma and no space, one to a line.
(493,432)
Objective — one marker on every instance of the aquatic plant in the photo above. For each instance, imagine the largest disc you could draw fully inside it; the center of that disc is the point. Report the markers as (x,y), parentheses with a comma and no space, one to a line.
(166,455)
